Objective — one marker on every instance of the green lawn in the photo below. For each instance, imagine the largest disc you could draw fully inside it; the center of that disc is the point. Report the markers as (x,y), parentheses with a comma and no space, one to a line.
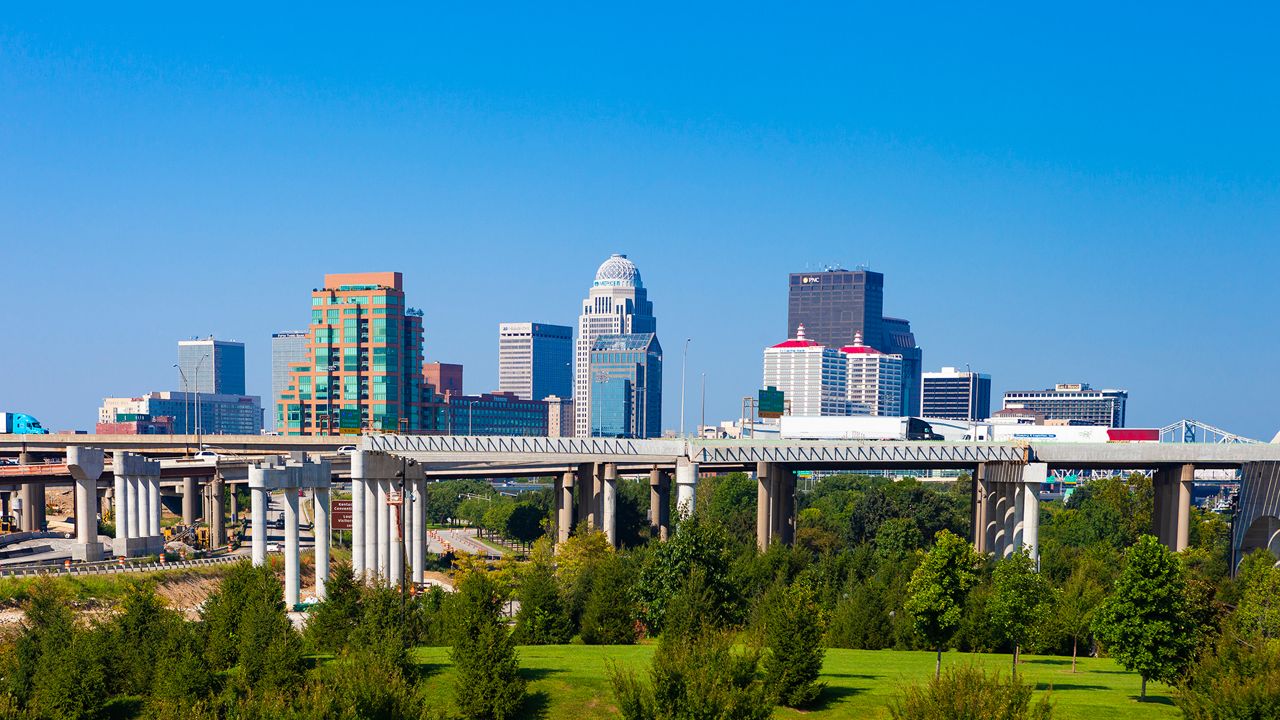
(569,681)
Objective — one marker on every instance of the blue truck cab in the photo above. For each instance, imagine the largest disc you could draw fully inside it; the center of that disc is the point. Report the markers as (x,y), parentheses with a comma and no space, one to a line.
(20,424)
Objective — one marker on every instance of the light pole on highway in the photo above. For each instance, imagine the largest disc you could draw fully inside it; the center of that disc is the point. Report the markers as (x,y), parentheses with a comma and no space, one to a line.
(684,360)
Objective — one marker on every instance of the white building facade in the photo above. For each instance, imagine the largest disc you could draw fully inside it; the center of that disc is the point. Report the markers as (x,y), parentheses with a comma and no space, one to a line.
(811,376)
(873,379)
(617,304)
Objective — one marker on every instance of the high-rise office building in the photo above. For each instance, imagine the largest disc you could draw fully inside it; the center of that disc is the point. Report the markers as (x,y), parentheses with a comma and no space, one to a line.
(873,379)
(835,303)
(495,414)
(617,304)
(444,378)
(211,366)
(1072,401)
(899,340)
(535,360)
(952,394)
(365,371)
(813,378)
(626,386)
(288,349)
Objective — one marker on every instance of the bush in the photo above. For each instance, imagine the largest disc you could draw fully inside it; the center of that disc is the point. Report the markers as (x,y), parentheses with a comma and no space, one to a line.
(1239,681)
(969,693)
(543,619)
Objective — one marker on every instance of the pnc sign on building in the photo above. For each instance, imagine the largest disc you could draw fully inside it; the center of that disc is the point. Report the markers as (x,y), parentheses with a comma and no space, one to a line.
(811,280)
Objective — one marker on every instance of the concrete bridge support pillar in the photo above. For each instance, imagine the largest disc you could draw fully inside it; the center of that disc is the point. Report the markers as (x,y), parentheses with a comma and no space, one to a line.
(217,511)
(190,501)
(418,554)
(258,521)
(564,507)
(85,465)
(292,570)
(1171,512)
(155,541)
(133,507)
(358,568)
(979,509)
(119,518)
(105,506)
(1182,538)
(789,506)
(1010,519)
(996,526)
(1019,506)
(686,486)
(609,502)
(133,479)
(382,511)
(395,535)
(660,502)
(322,532)
(586,495)
(764,488)
(1034,476)
(371,527)
(27,507)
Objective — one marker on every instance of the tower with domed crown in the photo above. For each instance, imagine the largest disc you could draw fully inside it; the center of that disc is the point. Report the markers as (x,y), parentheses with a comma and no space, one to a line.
(617,304)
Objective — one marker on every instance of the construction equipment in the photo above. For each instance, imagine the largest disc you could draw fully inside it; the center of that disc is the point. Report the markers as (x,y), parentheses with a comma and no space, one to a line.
(8,524)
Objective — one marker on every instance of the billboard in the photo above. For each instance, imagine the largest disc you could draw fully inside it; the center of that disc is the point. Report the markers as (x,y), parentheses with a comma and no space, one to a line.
(770,402)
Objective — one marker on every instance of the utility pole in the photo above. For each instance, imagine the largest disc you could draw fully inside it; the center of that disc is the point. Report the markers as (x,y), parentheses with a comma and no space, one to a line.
(684,360)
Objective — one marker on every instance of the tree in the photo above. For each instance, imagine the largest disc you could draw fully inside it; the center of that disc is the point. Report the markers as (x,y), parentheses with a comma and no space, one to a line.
(576,560)
(1019,597)
(936,593)
(331,621)
(543,619)
(487,682)
(1075,606)
(1146,621)
(697,544)
(609,617)
(793,641)
(1258,612)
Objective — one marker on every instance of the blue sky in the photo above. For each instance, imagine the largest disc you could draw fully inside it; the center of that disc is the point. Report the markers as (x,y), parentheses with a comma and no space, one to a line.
(1072,193)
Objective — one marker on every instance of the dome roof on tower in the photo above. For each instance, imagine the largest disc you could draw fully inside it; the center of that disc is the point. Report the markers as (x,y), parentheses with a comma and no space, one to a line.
(617,271)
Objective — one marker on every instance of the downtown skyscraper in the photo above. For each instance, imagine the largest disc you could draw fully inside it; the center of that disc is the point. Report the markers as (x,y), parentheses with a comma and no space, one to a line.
(535,360)
(616,304)
(835,304)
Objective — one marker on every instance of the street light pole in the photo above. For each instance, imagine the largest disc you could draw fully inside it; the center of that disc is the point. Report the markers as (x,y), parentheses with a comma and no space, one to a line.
(186,403)
(703,421)
(471,409)
(198,364)
(684,360)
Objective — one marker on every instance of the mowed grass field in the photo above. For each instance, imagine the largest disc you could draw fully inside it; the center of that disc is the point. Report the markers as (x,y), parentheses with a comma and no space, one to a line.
(571,681)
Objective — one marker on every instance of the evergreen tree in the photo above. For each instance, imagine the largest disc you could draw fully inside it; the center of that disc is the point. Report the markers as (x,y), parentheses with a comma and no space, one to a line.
(609,617)
(543,619)
(1146,621)
(793,641)
(487,682)
(332,621)
(1018,601)
(938,588)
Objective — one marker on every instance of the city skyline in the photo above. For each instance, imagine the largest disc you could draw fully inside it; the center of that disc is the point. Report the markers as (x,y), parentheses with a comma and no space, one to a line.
(1104,217)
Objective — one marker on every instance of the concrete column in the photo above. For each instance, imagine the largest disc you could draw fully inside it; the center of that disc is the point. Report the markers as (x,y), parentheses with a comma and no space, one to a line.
(371,527)
(980,509)
(383,513)
(789,507)
(1160,507)
(258,519)
(395,537)
(609,502)
(1034,476)
(686,486)
(217,512)
(664,505)
(586,495)
(322,533)
(122,526)
(1171,507)
(655,500)
(235,505)
(1185,481)
(777,486)
(292,572)
(1018,506)
(85,465)
(762,505)
(406,524)
(597,496)
(995,526)
(29,519)
(564,506)
(133,506)
(105,506)
(419,528)
(1009,519)
(153,507)
(357,526)
(190,501)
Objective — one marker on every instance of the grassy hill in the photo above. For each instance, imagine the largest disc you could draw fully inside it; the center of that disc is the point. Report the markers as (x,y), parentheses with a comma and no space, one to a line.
(570,681)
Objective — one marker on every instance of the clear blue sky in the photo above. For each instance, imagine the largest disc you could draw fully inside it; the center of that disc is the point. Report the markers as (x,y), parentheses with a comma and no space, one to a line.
(1080,192)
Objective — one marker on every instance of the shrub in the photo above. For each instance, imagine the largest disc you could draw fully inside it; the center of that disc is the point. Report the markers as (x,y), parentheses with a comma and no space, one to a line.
(1240,680)
(543,619)
(969,693)
(487,682)
(608,618)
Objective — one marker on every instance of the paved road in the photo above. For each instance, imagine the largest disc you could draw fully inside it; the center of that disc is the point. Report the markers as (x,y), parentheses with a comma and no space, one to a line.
(462,539)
